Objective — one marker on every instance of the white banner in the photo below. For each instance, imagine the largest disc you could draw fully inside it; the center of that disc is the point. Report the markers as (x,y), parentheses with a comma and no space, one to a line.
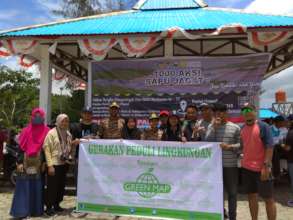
(151,179)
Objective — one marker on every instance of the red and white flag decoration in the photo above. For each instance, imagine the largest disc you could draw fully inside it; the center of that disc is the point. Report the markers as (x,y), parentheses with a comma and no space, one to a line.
(260,39)
(19,47)
(97,48)
(231,29)
(76,83)
(58,75)
(3,51)
(226,29)
(27,61)
(138,46)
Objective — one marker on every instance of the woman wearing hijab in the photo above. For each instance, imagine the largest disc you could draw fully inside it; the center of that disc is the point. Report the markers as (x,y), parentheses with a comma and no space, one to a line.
(130,130)
(58,153)
(28,195)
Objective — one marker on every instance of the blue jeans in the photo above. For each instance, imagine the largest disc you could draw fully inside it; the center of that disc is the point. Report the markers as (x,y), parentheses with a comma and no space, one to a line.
(290,168)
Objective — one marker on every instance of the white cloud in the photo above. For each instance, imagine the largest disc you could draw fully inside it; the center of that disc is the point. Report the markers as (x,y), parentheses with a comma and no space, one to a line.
(7,15)
(281,7)
(49,4)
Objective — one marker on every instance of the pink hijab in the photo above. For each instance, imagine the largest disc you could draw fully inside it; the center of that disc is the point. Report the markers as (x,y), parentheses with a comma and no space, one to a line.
(32,137)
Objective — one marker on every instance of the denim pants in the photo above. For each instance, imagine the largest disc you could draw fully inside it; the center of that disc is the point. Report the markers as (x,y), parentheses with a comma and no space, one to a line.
(230,179)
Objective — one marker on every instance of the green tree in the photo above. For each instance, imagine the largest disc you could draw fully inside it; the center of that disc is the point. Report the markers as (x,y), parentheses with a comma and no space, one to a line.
(81,8)
(70,105)
(19,94)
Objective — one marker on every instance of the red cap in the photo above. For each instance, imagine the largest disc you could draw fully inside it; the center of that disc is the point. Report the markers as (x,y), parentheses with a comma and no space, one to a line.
(164,112)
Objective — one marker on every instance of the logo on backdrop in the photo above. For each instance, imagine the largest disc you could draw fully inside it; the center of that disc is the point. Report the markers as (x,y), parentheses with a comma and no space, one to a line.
(147,185)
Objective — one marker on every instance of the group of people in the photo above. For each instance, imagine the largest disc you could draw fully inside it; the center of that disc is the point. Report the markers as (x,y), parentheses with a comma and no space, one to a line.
(45,154)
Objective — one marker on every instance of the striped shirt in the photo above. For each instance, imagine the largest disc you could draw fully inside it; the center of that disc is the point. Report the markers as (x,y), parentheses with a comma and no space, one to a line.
(228,133)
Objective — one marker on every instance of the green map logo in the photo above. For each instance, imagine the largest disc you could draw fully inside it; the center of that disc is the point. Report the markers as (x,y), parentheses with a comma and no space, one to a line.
(147,185)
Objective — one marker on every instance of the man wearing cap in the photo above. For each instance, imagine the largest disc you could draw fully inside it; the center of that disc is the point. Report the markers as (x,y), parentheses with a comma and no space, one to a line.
(257,143)
(189,129)
(207,113)
(164,114)
(228,134)
(111,128)
(279,132)
(85,128)
(153,133)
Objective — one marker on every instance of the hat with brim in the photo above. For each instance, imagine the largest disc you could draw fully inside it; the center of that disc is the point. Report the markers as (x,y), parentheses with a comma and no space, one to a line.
(153,116)
(114,105)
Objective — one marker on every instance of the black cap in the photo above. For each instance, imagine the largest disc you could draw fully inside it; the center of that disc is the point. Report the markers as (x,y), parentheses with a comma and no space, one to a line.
(279,118)
(206,105)
(87,109)
(220,107)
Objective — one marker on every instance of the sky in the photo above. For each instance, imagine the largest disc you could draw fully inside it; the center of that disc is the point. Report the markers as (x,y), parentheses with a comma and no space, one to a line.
(18,13)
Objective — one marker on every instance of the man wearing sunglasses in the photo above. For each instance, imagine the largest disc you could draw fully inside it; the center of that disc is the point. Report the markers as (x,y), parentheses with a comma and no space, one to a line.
(257,143)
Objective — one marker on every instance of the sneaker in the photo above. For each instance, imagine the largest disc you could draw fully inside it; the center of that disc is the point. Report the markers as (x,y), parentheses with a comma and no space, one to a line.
(57,208)
(50,212)
(290,203)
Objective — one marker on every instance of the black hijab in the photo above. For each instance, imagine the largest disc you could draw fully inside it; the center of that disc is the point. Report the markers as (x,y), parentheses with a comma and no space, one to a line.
(130,134)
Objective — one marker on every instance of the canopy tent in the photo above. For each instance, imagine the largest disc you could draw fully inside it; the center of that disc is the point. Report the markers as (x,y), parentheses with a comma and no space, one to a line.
(267,113)
(153,28)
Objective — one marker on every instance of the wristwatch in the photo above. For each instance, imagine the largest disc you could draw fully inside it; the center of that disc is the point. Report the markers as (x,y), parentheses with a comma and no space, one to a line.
(268,164)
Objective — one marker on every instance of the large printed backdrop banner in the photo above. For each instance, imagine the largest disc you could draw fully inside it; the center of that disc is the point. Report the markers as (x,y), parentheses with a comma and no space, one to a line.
(141,86)
(149,178)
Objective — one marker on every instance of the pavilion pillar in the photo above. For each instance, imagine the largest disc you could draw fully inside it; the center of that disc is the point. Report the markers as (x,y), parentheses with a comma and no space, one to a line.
(45,82)
(89,87)
(168,47)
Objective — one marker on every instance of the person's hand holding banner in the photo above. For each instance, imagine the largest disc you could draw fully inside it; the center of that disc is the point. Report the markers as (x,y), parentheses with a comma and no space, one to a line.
(225,146)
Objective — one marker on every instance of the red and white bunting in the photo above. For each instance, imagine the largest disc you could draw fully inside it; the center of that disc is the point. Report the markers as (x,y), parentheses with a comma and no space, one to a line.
(27,61)
(178,32)
(19,47)
(138,46)
(260,39)
(3,51)
(231,29)
(58,75)
(226,29)
(97,48)
(80,86)
(75,83)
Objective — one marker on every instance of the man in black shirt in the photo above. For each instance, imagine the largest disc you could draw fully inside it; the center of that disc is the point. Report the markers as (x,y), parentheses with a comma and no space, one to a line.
(189,124)
(85,129)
